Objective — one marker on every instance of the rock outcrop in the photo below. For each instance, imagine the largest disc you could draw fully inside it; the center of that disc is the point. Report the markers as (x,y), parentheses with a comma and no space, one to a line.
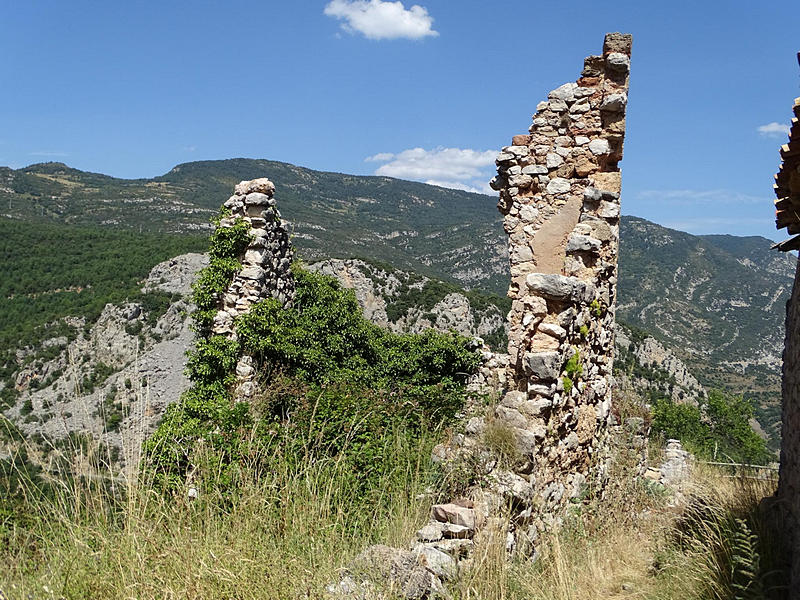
(381,290)
(114,381)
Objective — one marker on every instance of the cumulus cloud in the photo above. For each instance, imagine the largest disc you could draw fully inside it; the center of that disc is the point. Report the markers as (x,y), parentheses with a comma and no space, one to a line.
(380,20)
(774,129)
(456,168)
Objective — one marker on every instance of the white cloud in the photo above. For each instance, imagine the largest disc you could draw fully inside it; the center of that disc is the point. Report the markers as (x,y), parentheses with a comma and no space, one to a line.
(380,20)
(717,196)
(49,153)
(380,157)
(774,129)
(456,168)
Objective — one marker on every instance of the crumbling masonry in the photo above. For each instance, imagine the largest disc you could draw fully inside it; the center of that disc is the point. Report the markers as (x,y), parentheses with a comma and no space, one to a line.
(560,195)
(787,189)
(559,191)
(265,271)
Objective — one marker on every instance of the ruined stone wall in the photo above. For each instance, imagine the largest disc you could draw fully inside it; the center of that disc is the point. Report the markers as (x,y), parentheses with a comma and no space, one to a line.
(787,189)
(560,196)
(265,269)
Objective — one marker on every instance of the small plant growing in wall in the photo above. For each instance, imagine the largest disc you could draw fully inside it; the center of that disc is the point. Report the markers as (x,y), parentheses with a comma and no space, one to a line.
(597,308)
(573,370)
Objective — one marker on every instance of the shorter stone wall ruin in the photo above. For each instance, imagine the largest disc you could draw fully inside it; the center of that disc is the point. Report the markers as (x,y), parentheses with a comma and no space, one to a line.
(265,272)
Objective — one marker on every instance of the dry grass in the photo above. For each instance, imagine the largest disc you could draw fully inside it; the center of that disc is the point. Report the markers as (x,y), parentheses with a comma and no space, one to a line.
(633,544)
(286,533)
(282,534)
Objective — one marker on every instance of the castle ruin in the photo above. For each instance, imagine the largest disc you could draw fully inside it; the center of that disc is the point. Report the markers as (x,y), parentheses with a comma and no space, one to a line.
(560,196)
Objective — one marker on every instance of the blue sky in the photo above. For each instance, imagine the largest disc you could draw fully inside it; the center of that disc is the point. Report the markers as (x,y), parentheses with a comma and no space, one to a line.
(428,91)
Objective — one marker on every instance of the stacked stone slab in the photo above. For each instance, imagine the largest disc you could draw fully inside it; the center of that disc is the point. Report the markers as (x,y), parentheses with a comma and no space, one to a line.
(266,267)
(560,196)
(787,190)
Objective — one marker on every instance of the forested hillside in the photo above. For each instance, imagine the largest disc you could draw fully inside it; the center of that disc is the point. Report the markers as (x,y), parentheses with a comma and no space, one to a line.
(50,271)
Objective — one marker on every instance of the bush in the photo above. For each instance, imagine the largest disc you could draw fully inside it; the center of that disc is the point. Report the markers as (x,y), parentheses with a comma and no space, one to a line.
(718,428)
(335,385)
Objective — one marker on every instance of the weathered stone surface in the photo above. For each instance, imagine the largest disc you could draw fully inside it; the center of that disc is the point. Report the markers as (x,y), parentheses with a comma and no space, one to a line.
(558,185)
(563,245)
(599,146)
(582,243)
(556,287)
(262,186)
(619,62)
(432,532)
(437,562)
(566,92)
(543,365)
(452,513)
(614,102)
(608,210)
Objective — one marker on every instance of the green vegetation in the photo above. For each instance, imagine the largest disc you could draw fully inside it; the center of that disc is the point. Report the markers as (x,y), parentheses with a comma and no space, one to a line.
(717,429)
(285,532)
(48,272)
(227,243)
(335,384)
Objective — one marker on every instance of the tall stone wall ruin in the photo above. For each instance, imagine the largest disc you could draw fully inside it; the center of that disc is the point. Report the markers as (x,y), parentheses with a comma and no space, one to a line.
(265,271)
(787,190)
(560,196)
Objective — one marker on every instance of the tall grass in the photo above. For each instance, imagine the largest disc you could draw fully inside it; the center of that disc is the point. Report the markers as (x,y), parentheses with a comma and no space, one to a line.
(284,532)
(632,543)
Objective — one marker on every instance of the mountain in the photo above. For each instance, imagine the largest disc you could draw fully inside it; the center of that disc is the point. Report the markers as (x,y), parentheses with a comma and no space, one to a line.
(715,302)
(448,234)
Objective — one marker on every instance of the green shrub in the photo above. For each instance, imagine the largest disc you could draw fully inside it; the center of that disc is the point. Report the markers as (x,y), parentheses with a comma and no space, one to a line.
(334,385)
(720,427)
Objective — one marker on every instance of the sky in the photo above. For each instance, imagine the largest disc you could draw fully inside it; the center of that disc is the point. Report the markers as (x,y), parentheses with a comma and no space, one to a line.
(428,91)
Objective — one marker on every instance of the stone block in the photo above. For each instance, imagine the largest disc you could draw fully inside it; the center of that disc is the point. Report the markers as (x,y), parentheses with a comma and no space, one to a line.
(526,442)
(521,140)
(565,92)
(558,185)
(617,42)
(455,514)
(432,532)
(257,199)
(614,103)
(535,170)
(608,210)
(556,287)
(582,243)
(262,185)
(618,62)
(510,416)
(554,160)
(553,330)
(545,366)
(608,182)
(599,147)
